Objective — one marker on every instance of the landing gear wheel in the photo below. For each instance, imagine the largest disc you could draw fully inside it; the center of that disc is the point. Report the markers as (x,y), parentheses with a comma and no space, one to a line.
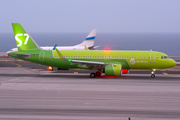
(152,75)
(98,73)
(92,75)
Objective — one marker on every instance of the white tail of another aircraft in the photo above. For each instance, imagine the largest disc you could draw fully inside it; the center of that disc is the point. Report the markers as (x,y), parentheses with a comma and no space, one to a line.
(89,41)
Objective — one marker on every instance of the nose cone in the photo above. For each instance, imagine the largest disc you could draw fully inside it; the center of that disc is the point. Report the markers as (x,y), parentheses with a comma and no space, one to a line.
(172,63)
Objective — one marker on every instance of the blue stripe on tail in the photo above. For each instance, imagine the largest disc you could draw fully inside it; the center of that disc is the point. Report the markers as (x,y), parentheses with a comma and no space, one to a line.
(90,38)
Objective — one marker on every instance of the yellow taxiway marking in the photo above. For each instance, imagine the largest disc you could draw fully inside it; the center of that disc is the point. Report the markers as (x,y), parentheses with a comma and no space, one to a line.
(75,72)
(165,73)
(17,64)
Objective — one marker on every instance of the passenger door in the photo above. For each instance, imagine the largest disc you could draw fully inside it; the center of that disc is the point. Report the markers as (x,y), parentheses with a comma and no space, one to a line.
(152,57)
(41,56)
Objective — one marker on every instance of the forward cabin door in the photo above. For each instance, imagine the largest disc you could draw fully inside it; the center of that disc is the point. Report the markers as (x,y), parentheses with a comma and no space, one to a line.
(152,57)
(41,56)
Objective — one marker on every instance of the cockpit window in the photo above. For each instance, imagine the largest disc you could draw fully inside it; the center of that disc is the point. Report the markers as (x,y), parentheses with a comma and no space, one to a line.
(164,57)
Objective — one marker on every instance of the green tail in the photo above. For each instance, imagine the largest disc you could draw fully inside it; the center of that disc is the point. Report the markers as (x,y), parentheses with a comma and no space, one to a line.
(23,39)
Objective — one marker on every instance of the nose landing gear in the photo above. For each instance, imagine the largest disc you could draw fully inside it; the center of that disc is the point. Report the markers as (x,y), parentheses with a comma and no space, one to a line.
(152,73)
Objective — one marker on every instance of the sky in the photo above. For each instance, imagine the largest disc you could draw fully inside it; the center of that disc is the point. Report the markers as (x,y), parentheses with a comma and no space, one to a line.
(111,16)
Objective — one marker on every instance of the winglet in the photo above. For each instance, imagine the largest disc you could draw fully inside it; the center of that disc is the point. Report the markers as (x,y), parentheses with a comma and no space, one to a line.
(86,47)
(60,55)
(54,46)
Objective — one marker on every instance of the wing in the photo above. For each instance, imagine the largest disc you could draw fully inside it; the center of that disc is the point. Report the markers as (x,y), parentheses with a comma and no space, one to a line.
(80,62)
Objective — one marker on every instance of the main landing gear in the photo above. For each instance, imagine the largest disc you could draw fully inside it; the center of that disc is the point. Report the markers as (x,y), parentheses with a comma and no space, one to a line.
(93,75)
(152,74)
(98,73)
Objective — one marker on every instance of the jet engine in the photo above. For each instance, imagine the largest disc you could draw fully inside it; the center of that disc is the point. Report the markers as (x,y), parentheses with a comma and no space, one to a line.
(113,70)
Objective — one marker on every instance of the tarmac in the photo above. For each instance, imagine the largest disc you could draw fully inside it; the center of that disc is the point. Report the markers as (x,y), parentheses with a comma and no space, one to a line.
(29,91)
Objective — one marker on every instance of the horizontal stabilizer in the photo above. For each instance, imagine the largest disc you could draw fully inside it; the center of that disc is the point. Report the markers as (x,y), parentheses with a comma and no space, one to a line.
(21,55)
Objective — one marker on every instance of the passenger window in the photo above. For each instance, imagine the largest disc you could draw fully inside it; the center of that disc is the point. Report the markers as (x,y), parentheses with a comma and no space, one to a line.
(161,57)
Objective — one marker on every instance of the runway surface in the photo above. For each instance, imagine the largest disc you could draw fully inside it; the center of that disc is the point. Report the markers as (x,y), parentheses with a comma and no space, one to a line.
(29,93)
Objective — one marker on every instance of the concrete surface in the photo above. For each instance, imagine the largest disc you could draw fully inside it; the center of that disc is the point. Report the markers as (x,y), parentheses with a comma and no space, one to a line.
(33,94)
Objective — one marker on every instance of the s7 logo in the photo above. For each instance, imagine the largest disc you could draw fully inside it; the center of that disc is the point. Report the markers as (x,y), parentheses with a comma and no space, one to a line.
(20,41)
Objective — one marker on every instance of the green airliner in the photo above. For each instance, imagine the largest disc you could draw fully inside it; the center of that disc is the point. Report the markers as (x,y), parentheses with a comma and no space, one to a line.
(112,62)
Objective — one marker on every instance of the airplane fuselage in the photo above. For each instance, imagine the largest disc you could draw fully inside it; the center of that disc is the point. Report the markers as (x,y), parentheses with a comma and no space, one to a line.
(128,59)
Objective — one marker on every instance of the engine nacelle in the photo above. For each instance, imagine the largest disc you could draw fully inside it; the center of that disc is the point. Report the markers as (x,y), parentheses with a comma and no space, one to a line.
(113,70)
(125,71)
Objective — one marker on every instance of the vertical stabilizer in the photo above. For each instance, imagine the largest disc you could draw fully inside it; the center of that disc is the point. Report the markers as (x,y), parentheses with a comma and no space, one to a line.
(89,41)
(23,39)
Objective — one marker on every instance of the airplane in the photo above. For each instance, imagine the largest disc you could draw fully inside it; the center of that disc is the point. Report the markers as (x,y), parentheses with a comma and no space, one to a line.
(114,62)
(88,42)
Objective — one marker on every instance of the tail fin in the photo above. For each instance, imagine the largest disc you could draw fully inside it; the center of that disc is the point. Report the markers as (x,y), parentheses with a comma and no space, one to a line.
(91,35)
(23,39)
(89,41)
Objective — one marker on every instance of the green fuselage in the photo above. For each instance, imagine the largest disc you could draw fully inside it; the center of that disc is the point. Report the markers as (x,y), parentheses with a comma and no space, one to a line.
(128,59)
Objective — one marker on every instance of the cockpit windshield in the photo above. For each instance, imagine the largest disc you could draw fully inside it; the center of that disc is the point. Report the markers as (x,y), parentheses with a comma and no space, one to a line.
(164,57)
